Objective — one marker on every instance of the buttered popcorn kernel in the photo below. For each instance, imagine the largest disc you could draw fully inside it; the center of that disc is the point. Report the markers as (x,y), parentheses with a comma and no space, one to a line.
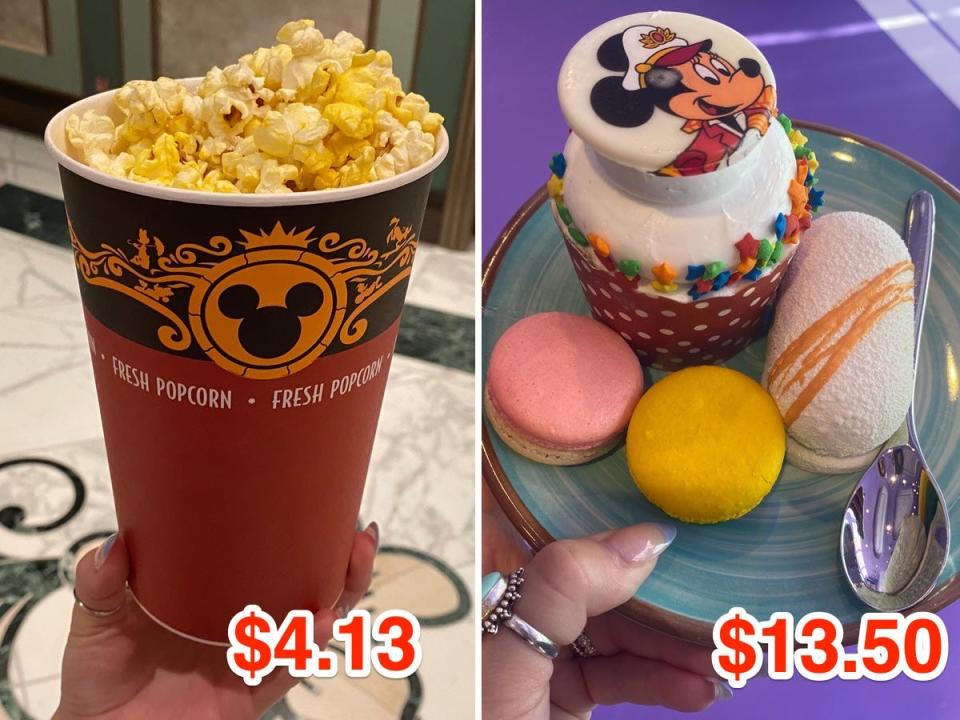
(309,113)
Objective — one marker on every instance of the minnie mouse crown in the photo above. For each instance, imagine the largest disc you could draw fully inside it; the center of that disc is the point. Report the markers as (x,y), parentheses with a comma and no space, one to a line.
(668,93)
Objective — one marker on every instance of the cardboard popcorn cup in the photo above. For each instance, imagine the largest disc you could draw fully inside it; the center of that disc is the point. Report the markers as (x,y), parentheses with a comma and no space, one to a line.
(668,333)
(240,347)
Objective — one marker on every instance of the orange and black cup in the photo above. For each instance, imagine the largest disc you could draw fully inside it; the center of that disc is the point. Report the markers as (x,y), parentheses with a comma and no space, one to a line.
(240,347)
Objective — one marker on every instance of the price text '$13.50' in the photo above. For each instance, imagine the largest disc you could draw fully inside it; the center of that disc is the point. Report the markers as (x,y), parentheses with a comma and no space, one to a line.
(889,644)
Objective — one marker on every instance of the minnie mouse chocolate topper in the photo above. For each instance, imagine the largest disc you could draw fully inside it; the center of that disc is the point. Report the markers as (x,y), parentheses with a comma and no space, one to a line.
(700,94)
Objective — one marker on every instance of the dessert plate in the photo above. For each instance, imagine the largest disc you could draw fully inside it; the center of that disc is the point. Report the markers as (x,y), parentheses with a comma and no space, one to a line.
(783,555)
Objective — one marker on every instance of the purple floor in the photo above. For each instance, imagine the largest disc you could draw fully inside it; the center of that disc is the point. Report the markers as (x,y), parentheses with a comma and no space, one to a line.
(834,64)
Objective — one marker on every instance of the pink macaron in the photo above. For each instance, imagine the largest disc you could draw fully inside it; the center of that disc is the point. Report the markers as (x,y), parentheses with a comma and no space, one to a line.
(561,388)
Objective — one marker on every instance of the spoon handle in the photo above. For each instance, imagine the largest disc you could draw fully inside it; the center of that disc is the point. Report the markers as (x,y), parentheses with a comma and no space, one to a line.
(918,233)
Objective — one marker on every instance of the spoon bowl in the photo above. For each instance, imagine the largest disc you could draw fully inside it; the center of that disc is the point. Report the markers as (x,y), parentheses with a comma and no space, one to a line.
(895,535)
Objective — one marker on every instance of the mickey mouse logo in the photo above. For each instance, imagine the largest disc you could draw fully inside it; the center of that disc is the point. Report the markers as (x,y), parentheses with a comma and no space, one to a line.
(721,100)
(266,311)
(266,331)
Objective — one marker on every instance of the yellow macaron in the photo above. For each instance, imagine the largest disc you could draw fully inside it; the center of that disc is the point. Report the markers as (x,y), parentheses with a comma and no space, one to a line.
(706,444)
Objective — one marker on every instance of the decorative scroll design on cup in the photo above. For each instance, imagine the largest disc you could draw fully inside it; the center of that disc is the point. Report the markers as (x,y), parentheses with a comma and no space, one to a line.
(264,306)
(112,269)
(370,286)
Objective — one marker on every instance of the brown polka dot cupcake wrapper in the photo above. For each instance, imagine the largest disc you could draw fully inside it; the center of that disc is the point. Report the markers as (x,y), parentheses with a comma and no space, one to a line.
(670,334)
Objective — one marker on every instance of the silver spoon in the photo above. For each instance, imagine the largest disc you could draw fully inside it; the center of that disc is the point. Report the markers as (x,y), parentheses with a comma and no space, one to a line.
(895,534)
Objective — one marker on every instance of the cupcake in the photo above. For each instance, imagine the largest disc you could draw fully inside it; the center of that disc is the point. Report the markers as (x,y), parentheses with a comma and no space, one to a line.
(681,192)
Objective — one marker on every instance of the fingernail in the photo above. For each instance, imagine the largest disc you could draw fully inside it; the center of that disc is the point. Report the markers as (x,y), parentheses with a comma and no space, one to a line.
(669,533)
(637,544)
(343,611)
(103,551)
(721,689)
(373,530)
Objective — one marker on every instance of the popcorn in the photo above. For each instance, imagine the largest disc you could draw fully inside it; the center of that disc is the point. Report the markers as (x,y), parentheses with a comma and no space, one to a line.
(302,37)
(410,147)
(309,113)
(274,136)
(91,132)
(274,177)
(353,120)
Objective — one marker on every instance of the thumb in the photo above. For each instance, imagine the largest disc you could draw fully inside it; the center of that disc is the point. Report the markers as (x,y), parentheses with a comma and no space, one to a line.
(101,587)
(567,582)
(571,580)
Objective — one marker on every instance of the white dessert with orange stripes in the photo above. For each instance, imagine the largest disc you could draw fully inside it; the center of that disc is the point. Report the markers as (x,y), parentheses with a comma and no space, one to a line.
(840,353)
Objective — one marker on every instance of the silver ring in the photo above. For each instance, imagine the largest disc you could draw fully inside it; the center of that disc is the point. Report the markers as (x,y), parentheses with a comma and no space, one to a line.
(534,638)
(93,611)
(584,647)
(499,598)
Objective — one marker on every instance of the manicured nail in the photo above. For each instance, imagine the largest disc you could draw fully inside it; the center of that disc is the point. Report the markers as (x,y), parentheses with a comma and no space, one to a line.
(637,544)
(669,533)
(103,551)
(373,530)
(721,689)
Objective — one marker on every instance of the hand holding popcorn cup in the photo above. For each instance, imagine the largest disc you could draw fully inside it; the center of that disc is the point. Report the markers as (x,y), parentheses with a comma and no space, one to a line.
(243,243)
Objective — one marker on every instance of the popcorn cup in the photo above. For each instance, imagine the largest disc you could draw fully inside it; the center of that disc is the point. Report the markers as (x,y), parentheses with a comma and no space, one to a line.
(669,331)
(240,348)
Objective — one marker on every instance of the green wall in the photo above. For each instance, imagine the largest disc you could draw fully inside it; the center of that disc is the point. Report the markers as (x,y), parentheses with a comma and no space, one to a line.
(446,39)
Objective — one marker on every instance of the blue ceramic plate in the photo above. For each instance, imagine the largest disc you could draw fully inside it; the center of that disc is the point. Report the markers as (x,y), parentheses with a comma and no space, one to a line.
(783,555)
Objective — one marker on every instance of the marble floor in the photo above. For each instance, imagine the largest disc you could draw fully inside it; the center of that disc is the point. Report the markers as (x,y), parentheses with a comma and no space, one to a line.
(55,498)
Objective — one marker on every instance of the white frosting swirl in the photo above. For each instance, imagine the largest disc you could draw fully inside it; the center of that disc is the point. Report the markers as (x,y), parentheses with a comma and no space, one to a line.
(681,220)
